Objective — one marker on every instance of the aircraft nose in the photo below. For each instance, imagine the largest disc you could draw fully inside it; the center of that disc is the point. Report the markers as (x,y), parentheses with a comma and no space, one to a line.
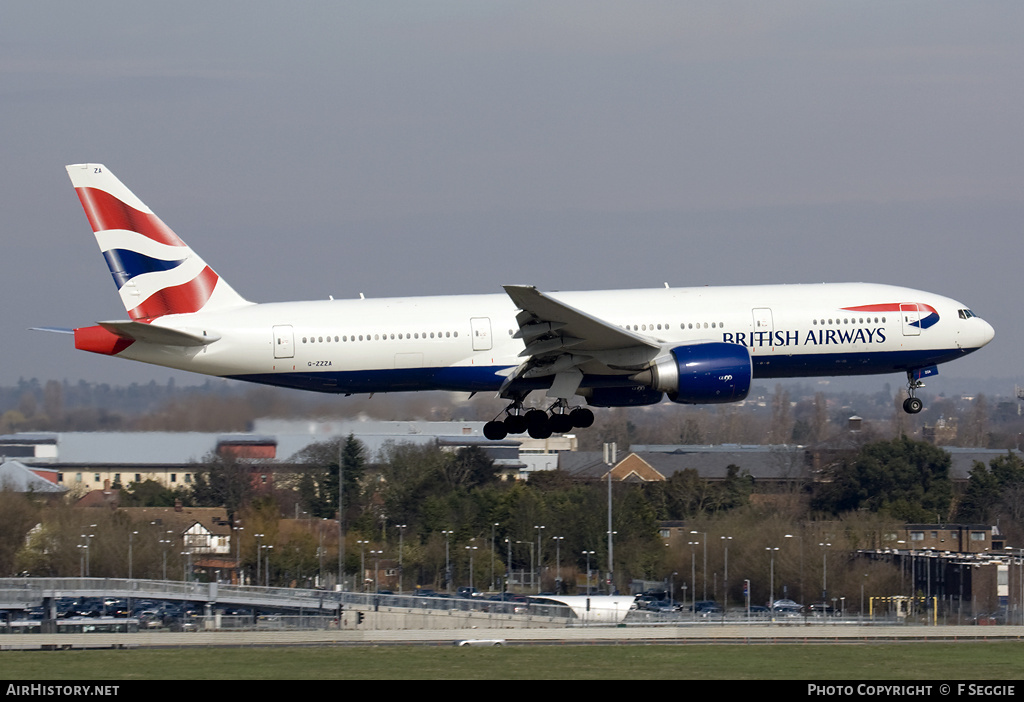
(986,333)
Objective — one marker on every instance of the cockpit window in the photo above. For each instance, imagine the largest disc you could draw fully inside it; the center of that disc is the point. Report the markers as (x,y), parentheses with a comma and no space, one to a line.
(966,314)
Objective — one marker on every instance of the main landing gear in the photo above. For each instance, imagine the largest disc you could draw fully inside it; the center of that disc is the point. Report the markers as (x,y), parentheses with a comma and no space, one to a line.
(912,405)
(539,424)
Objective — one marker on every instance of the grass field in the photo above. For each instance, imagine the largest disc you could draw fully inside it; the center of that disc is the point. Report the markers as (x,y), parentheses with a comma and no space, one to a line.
(910,661)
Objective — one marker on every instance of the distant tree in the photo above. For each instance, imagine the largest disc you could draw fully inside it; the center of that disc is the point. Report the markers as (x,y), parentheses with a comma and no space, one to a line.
(980,495)
(906,479)
(150,493)
(318,483)
(994,491)
(468,467)
(223,481)
(18,514)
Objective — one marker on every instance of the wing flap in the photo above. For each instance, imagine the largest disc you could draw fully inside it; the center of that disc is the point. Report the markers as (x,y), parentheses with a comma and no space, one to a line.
(566,321)
(560,339)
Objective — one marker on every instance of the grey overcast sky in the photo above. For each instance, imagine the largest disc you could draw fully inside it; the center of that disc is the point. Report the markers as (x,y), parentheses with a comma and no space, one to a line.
(308,149)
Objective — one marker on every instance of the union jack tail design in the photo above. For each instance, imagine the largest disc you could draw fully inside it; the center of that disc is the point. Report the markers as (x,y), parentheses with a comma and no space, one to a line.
(156,273)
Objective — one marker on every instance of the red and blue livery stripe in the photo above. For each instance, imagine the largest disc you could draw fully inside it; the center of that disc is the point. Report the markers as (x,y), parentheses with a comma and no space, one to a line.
(928,315)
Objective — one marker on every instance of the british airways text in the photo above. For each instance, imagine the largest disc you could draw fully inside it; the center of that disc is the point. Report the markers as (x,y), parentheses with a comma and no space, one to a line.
(814,337)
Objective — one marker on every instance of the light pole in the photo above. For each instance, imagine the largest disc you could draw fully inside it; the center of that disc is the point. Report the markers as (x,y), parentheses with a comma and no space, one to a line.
(862,582)
(588,554)
(131,537)
(824,576)
(166,542)
(508,567)
(362,563)
(705,535)
(610,458)
(771,602)
(401,543)
(266,566)
(725,580)
(470,549)
(558,563)
(693,575)
(238,553)
(539,532)
(530,544)
(259,555)
(88,542)
(801,538)
(494,525)
(376,570)
(341,516)
(447,560)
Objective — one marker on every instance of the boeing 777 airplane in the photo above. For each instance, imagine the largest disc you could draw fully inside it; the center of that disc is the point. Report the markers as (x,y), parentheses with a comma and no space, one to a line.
(612,348)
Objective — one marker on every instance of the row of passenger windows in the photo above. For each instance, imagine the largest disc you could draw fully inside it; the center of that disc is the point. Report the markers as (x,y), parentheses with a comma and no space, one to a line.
(849,320)
(378,337)
(635,327)
(666,327)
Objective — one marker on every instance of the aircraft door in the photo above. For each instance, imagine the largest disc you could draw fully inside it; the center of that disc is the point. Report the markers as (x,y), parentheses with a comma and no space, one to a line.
(911,316)
(284,341)
(763,322)
(481,330)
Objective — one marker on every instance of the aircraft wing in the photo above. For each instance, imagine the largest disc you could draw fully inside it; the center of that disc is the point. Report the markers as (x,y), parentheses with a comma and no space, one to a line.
(560,338)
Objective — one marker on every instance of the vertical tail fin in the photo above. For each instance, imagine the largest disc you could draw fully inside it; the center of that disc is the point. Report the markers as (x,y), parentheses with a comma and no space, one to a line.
(156,273)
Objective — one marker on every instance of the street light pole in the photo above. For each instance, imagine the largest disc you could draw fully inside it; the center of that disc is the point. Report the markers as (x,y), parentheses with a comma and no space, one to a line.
(725,580)
(494,525)
(539,531)
(824,576)
(362,563)
(558,563)
(771,603)
(693,576)
(588,554)
(401,540)
(447,560)
(705,535)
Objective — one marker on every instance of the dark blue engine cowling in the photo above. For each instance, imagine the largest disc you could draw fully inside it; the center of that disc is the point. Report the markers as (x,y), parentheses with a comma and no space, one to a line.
(624,397)
(708,373)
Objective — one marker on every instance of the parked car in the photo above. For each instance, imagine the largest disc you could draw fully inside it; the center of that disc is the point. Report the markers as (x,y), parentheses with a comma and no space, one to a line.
(822,609)
(786,607)
(648,602)
(701,605)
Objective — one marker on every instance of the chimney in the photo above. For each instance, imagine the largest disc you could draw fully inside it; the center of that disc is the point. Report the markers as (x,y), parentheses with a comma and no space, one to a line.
(177,505)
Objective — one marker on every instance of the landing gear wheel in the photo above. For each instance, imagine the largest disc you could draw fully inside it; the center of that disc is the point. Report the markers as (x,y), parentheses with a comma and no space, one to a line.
(581,417)
(536,418)
(495,431)
(537,424)
(515,423)
(560,423)
(912,405)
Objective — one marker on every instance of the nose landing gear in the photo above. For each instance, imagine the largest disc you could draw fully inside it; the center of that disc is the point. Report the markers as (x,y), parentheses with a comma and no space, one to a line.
(912,405)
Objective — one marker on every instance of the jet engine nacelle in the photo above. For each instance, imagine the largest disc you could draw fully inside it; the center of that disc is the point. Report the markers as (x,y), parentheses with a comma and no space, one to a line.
(697,374)
(635,396)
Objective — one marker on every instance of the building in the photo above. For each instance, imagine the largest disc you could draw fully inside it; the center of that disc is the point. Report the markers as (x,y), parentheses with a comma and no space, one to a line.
(109,460)
(204,534)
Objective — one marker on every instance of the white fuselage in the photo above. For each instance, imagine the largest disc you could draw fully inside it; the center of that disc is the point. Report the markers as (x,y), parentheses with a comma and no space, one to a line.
(467,342)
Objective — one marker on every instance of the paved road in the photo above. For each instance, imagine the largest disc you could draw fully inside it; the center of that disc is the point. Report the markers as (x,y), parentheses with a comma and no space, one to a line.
(571,635)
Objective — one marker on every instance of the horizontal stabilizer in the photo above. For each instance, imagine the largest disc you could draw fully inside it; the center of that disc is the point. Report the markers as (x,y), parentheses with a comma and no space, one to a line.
(153,334)
(55,330)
